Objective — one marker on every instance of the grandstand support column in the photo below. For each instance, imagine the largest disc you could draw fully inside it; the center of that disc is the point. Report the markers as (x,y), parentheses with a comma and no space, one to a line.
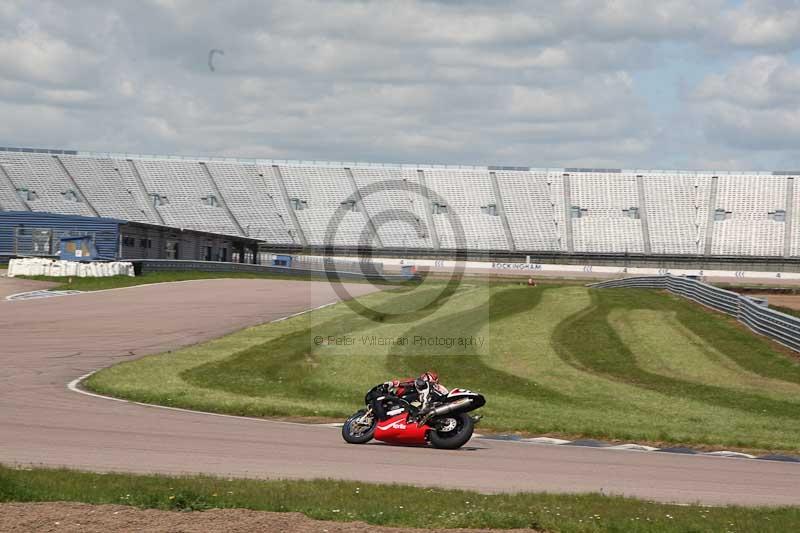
(501,212)
(138,177)
(13,188)
(77,187)
(788,230)
(712,208)
(428,210)
(568,214)
(643,214)
(360,202)
(222,201)
(285,193)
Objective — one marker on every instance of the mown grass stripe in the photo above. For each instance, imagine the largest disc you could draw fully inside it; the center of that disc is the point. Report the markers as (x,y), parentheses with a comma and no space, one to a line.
(687,356)
(468,367)
(610,356)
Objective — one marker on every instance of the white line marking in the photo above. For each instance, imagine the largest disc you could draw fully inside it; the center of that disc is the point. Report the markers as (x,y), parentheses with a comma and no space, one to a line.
(728,453)
(74,385)
(41,293)
(547,440)
(634,447)
(12,296)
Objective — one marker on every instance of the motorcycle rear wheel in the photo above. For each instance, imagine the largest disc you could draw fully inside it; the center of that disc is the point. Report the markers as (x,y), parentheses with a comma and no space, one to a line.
(355,434)
(456,437)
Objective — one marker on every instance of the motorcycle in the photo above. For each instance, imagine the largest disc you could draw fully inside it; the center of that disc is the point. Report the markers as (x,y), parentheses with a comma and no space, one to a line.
(429,414)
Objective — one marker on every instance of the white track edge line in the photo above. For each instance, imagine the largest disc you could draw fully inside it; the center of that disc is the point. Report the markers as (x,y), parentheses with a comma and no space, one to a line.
(53,294)
(74,385)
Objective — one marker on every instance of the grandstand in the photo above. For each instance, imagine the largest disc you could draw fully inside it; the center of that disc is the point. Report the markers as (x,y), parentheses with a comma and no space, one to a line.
(419,208)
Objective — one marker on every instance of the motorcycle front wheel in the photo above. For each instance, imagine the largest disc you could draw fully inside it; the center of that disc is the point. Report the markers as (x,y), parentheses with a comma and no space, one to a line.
(451,431)
(359,429)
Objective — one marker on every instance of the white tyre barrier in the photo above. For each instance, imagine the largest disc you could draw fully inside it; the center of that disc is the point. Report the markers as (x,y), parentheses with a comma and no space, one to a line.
(34,266)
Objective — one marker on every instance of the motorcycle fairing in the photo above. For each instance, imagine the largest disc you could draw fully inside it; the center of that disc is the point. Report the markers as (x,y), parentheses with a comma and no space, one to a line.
(477,399)
(455,393)
(397,430)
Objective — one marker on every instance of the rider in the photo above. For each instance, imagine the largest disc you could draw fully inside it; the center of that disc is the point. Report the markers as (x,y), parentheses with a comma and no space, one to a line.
(400,387)
(410,389)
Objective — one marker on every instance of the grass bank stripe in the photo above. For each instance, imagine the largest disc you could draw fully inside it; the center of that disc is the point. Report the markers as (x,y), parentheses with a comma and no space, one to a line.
(610,356)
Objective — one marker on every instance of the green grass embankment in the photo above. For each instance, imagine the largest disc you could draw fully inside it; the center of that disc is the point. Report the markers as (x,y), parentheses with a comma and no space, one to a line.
(626,365)
(390,505)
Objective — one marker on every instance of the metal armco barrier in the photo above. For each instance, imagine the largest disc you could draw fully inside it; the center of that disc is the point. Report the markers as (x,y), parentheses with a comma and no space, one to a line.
(753,313)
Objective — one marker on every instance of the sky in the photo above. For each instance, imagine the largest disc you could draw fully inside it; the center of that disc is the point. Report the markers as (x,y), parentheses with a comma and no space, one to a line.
(673,84)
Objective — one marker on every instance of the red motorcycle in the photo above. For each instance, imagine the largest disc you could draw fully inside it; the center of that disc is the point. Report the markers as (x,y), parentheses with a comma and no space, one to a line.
(427,414)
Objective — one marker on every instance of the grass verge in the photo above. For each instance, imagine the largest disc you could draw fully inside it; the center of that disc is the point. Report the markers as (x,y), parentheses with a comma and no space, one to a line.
(390,505)
(620,365)
(116,282)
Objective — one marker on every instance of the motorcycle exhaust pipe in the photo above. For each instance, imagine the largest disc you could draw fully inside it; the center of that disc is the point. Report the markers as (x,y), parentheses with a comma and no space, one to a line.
(450,407)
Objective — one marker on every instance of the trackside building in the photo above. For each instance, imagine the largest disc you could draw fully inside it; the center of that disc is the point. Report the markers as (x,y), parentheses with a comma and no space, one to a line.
(37,234)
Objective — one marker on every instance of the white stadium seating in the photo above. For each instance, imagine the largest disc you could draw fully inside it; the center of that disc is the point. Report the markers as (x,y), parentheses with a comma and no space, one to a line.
(254,198)
(9,198)
(677,212)
(394,202)
(534,208)
(747,228)
(184,185)
(41,176)
(419,206)
(465,192)
(603,225)
(323,217)
(106,188)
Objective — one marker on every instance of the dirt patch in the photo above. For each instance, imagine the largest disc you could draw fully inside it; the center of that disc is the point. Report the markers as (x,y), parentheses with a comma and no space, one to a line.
(753,285)
(85,518)
(9,286)
(792,301)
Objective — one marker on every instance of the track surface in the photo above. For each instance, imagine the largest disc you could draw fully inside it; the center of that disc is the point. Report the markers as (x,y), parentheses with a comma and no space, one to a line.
(44,344)
(9,286)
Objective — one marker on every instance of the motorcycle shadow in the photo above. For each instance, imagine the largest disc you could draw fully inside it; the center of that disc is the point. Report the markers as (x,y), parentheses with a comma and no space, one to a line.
(426,446)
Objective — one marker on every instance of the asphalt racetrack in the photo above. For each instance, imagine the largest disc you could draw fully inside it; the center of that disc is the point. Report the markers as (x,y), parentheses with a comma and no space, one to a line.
(47,343)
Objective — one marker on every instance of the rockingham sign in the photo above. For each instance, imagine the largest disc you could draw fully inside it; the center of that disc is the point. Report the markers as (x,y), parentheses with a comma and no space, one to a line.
(516,266)
(636,271)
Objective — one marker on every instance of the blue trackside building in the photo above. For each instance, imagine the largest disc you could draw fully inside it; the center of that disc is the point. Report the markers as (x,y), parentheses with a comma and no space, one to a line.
(28,233)
(40,234)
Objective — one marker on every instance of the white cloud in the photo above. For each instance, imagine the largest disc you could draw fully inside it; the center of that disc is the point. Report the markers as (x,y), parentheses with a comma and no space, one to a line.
(526,82)
(755,105)
(35,56)
(762,24)
(761,81)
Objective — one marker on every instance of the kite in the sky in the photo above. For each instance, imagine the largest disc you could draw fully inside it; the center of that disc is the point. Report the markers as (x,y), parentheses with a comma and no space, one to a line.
(211,57)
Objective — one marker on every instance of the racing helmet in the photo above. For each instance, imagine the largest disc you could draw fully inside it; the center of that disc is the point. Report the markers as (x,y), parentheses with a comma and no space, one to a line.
(430,376)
